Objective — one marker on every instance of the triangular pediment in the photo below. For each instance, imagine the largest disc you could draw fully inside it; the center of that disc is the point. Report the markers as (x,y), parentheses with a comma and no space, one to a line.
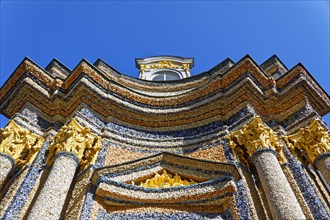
(200,182)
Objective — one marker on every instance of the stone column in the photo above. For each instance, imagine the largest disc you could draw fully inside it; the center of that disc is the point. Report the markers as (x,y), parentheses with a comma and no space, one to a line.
(258,144)
(51,199)
(280,197)
(72,146)
(6,165)
(311,145)
(18,146)
(322,163)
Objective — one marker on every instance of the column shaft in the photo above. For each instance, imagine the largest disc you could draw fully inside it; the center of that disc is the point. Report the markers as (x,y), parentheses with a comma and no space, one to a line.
(280,197)
(6,165)
(51,199)
(323,165)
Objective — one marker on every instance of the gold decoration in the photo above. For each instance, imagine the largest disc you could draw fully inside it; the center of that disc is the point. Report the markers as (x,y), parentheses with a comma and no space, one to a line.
(186,67)
(252,137)
(309,142)
(165,64)
(165,180)
(78,140)
(22,145)
(142,68)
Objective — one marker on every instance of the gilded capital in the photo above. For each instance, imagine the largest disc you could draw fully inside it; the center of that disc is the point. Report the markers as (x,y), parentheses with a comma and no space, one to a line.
(309,142)
(252,137)
(21,144)
(80,141)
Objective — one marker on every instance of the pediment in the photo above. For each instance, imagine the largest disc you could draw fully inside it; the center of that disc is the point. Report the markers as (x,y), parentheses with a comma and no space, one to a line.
(205,182)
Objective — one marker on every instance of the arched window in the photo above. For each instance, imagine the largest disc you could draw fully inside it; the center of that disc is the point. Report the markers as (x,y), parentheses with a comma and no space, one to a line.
(165,76)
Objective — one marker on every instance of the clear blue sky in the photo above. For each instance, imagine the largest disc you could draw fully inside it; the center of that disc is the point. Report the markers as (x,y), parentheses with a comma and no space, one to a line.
(118,32)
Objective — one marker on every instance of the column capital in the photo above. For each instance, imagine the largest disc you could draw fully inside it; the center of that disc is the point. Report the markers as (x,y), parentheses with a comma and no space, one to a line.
(252,137)
(78,140)
(309,142)
(19,143)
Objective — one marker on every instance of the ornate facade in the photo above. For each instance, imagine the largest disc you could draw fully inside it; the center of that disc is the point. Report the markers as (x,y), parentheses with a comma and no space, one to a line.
(240,141)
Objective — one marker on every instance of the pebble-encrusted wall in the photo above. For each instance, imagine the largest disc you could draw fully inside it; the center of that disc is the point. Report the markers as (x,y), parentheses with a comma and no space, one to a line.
(181,127)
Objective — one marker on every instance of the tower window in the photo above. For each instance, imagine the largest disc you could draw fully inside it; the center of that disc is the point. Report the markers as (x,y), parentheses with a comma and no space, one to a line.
(166,76)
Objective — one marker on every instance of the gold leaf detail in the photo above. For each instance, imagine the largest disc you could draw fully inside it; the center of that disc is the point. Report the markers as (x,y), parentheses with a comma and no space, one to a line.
(165,64)
(165,180)
(252,137)
(22,145)
(78,140)
(309,142)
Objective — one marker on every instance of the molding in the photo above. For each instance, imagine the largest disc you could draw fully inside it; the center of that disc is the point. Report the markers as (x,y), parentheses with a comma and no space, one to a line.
(321,157)
(260,151)
(68,154)
(11,160)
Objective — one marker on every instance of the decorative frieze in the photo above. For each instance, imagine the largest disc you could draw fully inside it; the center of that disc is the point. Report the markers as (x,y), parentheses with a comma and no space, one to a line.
(309,142)
(19,143)
(164,64)
(80,141)
(252,137)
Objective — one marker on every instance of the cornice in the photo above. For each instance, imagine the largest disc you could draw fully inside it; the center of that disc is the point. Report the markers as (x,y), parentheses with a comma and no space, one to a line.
(189,100)
(208,95)
(113,86)
(107,80)
(272,65)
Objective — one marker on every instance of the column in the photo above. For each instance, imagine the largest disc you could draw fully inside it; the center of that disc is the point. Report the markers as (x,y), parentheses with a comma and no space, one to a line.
(18,146)
(258,144)
(311,145)
(6,165)
(322,163)
(73,147)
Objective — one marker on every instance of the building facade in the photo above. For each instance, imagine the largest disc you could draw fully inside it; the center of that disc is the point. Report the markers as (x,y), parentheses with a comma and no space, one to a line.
(240,141)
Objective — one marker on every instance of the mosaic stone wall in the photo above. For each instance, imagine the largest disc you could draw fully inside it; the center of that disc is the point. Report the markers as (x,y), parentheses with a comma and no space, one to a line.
(181,127)
(213,147)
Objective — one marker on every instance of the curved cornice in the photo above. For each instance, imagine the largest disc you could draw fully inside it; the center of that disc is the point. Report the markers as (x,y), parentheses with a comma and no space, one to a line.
(213,94)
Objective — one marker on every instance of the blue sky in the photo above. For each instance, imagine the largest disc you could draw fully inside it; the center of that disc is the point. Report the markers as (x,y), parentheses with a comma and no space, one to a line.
(120,31)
